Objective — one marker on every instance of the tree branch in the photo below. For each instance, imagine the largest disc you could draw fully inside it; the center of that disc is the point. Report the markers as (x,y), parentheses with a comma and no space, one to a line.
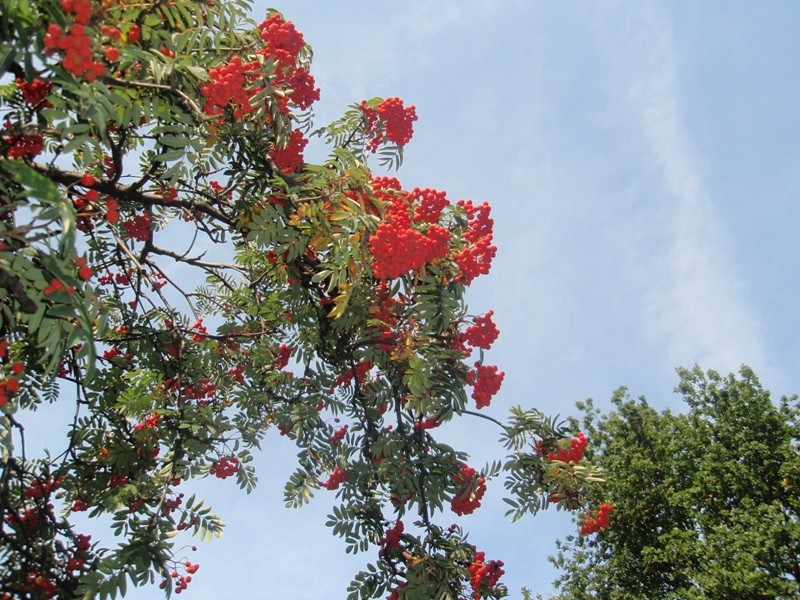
(130,194)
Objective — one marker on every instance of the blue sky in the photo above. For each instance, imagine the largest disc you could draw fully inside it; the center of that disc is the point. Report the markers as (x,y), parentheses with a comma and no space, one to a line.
(642,161)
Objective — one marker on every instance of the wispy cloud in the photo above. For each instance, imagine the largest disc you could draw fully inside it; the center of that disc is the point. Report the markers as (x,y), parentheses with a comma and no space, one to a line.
(387,50)
(697,305)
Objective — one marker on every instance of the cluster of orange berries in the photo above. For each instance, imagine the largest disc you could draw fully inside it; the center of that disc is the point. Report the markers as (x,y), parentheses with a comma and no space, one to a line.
(484,574)
(87,204)
(181,581)
(471,491)
(149,422)
(476,259)
(428,203)
(20,145)
(338,435)
(284,43)
(398,248)
(594,522)
(228,85)
(358,372)
(138,227)
(393,536)
(397,122)
(34,92)
(485,381)
(483,332)
(573,454)
(75,44)
(234,84)
(225,467)
(337,477)
(10,385)
(290,157)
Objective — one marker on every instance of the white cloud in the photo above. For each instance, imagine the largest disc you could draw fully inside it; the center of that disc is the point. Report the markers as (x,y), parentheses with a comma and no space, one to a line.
(375,52)
(697,305)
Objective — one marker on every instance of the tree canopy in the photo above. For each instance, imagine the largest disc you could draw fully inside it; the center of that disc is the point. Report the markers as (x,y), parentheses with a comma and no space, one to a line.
(173,268)
(706,504)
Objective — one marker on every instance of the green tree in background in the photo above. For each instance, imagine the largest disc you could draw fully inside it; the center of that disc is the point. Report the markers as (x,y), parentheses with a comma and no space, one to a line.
(706,504)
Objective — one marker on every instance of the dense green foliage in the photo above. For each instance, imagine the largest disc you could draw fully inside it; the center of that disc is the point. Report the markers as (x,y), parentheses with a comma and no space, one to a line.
(707,503)
(172,268)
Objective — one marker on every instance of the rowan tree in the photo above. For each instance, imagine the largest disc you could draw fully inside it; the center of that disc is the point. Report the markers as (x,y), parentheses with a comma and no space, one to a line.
(172,267)
(707,503)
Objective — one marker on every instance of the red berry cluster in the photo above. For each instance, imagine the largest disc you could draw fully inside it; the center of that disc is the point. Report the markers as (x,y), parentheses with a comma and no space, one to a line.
(594,522)
(87,205)
(429,423)
(20,145)
(181,581)
(78,560)
(138,227)
(10,385)
(390,121)
(281,36)
(573,454)
(338,435)
(80,504)
(158,281)
(85,209)
(335,479)
(172,504)
(483,333)
(82,9)
(24,145)
(392,537)
(230,84)
(42,586)
(55,286)
(476,259)
(40,489)
(290,157)
(284,354)
(34,92)
(359,372)
(113,34)
(148,423)
(30,518)
(397,248)
(202,389)
(395,593)
(399,120)
(76,44)
(429,204)
(118,480)
(385,188)
(299,84)
(84,270)
(234,83)
(77,49)
(484,574)
(486,382)
(471,490)
(225,467)
(284,43)
(199,331)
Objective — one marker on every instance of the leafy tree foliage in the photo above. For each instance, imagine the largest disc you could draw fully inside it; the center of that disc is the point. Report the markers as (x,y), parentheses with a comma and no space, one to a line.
(172,267)
(707,503)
